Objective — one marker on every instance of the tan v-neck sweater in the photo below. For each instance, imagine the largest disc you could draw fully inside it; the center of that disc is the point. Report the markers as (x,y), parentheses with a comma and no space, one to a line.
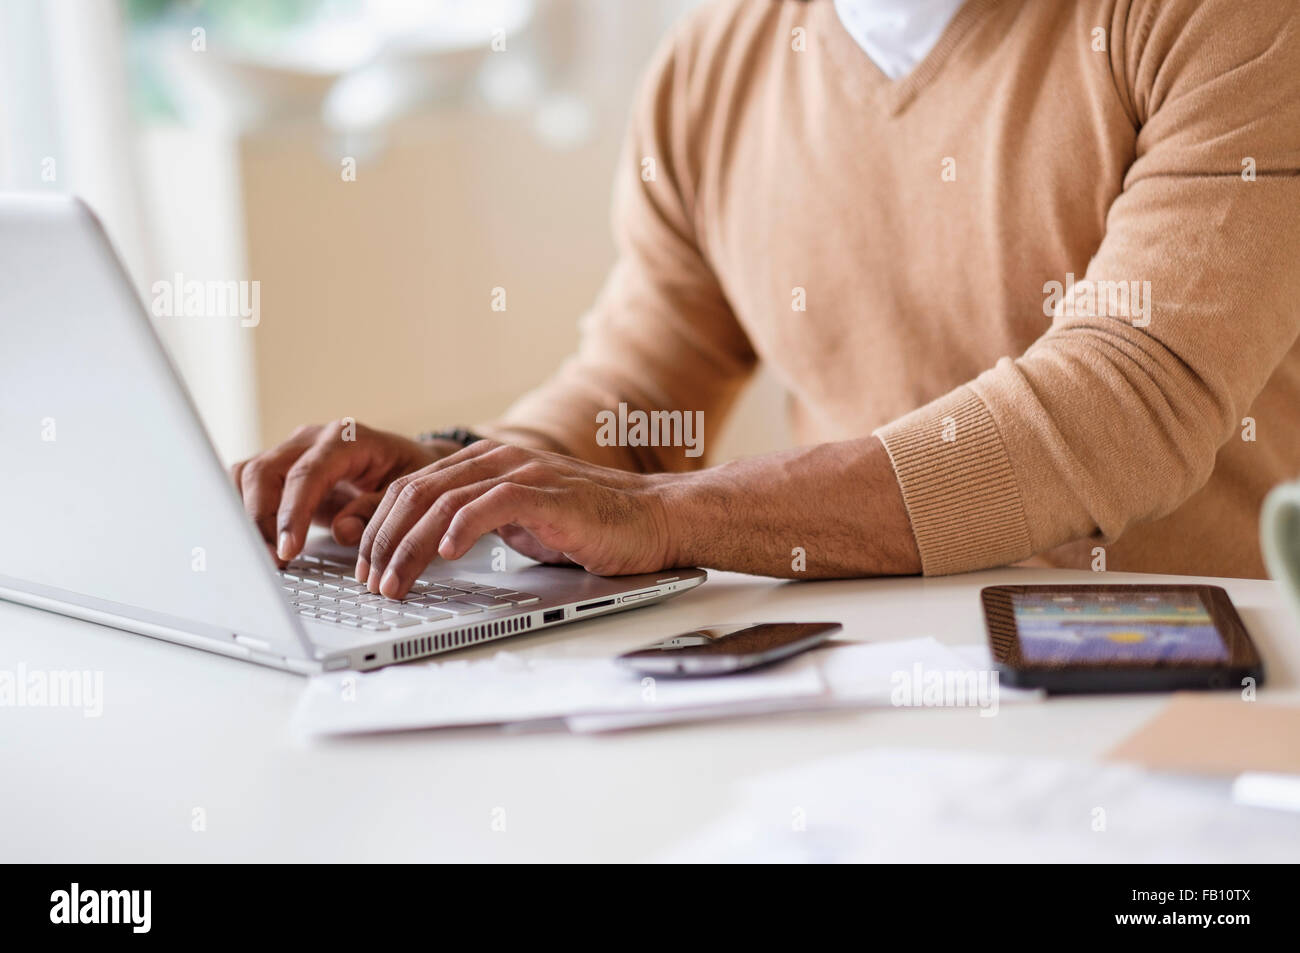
(938,261)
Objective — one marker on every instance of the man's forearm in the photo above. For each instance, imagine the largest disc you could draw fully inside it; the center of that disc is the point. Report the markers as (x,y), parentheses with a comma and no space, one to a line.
(833,510)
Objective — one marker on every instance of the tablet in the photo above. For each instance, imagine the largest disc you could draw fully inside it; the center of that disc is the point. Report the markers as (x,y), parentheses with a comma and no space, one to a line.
(1112,638)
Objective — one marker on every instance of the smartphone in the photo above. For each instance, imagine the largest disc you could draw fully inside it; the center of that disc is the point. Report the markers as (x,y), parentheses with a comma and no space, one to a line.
(1118,638)
(722,649)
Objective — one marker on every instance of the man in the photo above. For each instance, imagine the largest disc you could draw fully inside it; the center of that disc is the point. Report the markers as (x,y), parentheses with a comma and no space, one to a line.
(1028,271)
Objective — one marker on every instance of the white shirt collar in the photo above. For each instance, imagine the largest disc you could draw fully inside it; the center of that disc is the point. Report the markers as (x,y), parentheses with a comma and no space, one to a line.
(896,34)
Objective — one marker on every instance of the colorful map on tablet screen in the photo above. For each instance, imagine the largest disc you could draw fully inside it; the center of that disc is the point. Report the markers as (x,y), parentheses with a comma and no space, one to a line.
(1116,627)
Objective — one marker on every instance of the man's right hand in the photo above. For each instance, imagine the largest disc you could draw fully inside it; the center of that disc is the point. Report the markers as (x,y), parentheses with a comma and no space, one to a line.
(334,475)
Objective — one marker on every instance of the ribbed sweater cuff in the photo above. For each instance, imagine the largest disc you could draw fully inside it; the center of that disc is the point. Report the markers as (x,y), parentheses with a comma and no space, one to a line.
(958,485)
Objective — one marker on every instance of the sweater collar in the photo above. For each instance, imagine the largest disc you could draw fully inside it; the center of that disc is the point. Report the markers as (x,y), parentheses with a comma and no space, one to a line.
(865,80)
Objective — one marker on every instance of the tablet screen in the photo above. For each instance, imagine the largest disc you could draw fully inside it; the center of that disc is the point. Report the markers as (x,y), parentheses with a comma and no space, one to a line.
(1143,626)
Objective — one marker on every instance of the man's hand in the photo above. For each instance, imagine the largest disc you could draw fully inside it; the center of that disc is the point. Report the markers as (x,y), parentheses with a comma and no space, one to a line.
(549,507)
(829,511)
(332,475)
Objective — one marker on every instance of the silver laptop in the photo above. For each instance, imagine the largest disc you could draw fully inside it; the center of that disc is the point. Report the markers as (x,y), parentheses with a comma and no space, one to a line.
(118,511)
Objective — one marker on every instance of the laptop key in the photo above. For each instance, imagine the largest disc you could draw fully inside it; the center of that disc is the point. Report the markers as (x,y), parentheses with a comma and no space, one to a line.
(487,602)
(459,608)
(522,599)
(427,615)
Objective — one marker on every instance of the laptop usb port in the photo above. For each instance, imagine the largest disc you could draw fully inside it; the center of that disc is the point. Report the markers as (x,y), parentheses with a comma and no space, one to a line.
(596,605)
(553,615)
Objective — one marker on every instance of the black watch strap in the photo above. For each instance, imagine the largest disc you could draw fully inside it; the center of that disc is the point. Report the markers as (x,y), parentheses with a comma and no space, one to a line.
(459,435)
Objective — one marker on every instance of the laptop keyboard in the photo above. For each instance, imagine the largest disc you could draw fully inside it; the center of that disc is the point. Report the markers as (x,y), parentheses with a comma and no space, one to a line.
(327,591)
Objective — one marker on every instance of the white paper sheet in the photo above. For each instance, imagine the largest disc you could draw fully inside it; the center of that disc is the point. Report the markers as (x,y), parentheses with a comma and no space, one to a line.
(595,695)
(507,688)
(912,805)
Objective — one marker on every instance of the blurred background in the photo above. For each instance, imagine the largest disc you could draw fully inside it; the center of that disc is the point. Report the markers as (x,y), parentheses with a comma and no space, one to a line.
(378,166)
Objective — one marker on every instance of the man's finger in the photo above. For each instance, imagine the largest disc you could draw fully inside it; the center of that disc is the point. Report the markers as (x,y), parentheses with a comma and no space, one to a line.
(530,507)
(236,475)
(262,478)
(437,479)
(412,549)
(526,544)
(338,496)
(310,479)
(350,521)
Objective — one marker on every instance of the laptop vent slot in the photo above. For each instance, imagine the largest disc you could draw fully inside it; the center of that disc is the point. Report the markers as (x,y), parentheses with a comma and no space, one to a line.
(442,641)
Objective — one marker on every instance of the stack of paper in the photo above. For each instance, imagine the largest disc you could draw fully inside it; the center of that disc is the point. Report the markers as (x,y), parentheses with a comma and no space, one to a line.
(597,695)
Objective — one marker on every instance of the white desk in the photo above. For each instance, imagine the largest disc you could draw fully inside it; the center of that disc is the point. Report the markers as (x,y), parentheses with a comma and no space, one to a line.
(183,729)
